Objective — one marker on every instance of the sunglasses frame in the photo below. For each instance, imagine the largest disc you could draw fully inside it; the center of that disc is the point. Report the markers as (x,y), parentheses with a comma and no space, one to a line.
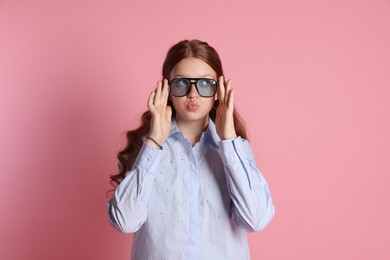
(193,81)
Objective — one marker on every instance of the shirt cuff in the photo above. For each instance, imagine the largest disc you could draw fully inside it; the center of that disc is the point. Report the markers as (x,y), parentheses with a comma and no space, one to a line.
(232,149)
(148,158)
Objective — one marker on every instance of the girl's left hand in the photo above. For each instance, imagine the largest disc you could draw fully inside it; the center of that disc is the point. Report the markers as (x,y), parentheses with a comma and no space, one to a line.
(224,120)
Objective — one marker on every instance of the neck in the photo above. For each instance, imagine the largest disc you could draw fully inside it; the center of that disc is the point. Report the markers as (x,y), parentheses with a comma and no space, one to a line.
(192,130)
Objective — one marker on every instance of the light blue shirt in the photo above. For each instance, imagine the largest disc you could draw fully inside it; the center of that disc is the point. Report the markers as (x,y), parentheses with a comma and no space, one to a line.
(192,202)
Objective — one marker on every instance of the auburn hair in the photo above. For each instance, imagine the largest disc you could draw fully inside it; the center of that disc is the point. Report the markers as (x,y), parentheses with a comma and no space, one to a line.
(181,50)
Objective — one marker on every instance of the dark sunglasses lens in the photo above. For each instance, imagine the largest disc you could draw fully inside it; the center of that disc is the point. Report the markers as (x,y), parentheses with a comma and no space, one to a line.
(180,87)
(206,87)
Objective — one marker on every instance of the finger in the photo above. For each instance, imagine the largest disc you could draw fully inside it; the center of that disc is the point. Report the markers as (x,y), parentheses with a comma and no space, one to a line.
(169,113)
(151,100)
(157,97)
(221,90)
(165,92)
(227,90)
(230,101)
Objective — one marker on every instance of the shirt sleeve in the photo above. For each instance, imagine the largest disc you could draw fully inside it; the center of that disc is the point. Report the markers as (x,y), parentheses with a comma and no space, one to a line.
(252,207)
(127,209)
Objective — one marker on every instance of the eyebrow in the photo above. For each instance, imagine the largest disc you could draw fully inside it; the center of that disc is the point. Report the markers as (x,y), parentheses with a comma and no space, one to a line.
(203,76)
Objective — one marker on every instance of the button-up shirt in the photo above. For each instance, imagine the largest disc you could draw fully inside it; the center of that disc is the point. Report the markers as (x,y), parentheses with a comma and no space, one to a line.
(192,202)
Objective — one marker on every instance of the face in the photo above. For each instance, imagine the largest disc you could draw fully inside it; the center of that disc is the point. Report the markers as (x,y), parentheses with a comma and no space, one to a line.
(192,107)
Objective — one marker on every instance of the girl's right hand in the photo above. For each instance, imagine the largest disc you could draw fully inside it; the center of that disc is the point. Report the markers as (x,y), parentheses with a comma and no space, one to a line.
(160,124)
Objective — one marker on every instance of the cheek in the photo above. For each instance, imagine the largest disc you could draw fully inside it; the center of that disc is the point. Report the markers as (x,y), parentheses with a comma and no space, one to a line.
(176,101)
(210,103)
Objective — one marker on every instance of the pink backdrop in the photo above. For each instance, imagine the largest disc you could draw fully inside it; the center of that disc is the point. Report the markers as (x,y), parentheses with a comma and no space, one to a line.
(312,80)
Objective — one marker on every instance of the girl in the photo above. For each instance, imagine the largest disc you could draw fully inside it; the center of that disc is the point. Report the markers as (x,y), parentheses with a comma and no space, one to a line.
(188,185)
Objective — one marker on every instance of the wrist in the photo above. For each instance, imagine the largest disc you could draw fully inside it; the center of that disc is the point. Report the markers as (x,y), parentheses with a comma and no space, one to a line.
(152,142)
(229,137)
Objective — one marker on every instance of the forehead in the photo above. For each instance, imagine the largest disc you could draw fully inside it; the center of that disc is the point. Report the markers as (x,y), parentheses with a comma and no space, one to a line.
(192,68)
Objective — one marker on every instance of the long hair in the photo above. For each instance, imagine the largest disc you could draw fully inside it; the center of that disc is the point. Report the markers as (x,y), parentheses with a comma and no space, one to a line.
(179,51)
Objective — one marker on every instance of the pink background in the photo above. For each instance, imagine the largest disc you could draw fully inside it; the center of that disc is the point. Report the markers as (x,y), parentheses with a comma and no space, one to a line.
(312,80)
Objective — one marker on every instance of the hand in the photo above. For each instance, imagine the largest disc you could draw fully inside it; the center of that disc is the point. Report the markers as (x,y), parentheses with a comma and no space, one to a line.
(224,120)
(160,124)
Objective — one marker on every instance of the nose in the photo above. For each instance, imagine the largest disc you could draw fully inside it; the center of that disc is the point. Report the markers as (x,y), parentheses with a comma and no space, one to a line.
(193,92)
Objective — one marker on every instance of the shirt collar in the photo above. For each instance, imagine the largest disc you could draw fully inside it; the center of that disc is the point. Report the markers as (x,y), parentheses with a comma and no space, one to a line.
(174,128)
(211,130)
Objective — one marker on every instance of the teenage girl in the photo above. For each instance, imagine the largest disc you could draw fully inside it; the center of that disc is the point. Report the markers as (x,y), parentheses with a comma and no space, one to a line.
(188,186)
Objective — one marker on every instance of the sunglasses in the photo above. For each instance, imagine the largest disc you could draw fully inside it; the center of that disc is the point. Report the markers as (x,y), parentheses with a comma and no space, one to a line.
(180,87)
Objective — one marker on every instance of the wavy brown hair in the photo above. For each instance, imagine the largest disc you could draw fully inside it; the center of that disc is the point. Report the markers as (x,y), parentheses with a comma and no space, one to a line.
(179,51)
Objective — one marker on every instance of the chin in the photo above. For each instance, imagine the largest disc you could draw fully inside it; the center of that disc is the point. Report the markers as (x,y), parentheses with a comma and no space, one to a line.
(192,116)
